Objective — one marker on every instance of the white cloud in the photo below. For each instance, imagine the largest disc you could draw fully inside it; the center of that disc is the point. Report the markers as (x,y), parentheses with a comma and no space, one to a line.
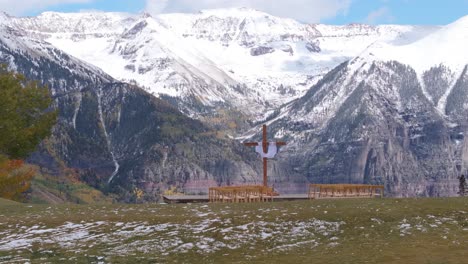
(382,14)
(312,11)
(21,7)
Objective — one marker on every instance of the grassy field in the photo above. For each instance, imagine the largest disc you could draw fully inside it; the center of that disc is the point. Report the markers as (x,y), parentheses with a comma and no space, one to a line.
(4,202)
(323,231)
(52,190)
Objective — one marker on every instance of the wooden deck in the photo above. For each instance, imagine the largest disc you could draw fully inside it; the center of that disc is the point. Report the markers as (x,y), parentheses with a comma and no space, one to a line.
(204,198)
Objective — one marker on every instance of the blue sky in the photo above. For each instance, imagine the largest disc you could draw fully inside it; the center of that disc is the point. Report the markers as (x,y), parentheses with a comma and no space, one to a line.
(423,12)
(130,6)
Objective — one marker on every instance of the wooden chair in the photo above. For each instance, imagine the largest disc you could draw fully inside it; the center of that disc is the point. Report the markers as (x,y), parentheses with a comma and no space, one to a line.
(266,194)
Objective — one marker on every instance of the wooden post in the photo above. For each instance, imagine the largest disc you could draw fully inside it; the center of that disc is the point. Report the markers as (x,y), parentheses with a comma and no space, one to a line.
(265,149)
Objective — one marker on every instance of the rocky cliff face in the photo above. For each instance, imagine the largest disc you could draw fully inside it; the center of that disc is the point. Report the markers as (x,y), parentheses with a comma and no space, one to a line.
(118,137)
(392,115)
(370,122)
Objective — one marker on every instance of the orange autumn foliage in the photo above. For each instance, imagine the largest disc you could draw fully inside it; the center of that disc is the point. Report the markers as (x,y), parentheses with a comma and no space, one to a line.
(15,178)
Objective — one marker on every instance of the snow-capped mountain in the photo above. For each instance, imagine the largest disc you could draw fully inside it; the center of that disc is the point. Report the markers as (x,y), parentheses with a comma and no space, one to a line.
(13,40)
(240,58)
(115,136)
(438,59)
(397,114)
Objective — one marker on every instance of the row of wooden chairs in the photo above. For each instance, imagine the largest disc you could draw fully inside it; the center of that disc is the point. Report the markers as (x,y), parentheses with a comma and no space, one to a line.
(240,194)
(345,190)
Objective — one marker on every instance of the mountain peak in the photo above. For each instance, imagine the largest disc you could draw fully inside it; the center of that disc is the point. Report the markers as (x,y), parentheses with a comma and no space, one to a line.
(145,15)
(235,11)
(457,30)
(4,17)
(89,13)
(461,22)
(4,14)
(78,23)
(240,13)
(446,46)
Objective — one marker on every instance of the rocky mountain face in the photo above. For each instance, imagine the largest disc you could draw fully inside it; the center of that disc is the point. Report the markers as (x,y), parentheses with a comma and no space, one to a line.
(381,121)
(116,136)
(383,131)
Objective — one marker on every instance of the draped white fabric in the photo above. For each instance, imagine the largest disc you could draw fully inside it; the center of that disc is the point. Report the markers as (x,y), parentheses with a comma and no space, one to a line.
(272,150)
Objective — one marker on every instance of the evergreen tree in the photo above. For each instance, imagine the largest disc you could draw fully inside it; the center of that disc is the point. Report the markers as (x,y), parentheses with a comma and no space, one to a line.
(25,117)
(25,120)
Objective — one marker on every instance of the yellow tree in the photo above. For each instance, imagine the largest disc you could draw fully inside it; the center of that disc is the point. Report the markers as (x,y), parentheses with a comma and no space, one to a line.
(14,178)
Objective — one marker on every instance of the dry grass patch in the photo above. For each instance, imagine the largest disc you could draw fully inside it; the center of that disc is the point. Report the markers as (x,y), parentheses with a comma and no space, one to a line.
(322,231)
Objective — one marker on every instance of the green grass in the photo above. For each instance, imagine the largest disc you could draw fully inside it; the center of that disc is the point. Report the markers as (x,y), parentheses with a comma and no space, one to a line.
(324,231)
(64,189)
(5,202)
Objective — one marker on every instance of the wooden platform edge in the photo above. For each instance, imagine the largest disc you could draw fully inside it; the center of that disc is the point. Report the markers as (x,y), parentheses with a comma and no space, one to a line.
(204,198)
(185,199)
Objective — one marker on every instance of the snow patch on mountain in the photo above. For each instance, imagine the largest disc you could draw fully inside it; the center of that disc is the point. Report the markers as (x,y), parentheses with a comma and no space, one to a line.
(244,57)
(442,104)
(444,46)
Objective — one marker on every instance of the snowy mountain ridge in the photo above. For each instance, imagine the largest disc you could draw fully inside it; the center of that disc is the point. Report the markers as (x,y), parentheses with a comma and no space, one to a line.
(238,57)
(443,48)
(72,23)
(393,114)
(13,39)
(447,46)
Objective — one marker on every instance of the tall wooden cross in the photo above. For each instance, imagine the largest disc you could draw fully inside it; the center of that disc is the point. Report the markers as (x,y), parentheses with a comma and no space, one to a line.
(265,149)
